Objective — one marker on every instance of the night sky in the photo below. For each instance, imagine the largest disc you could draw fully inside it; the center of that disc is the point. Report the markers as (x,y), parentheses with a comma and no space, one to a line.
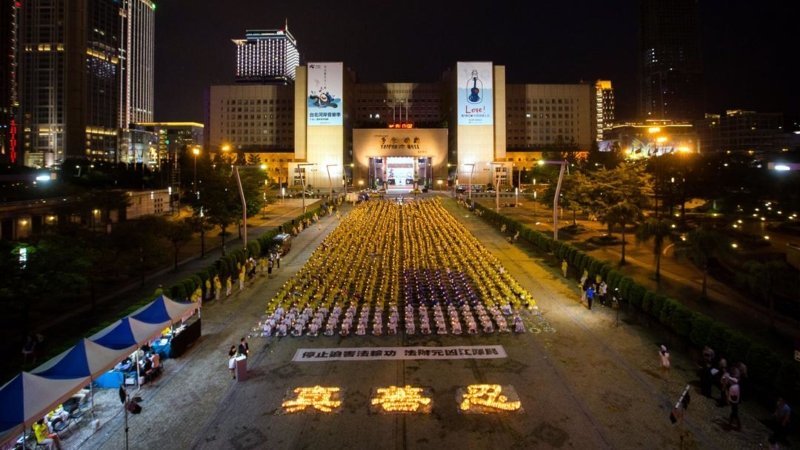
(748,46)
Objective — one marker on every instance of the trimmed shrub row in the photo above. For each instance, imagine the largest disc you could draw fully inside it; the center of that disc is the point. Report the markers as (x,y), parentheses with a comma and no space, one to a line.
(770,372)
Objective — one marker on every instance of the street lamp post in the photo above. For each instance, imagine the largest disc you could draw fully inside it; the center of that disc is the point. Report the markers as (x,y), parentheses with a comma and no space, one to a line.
(303,181)
(195,151)
(330,183)
(471,171)
(497,186)
(563,165)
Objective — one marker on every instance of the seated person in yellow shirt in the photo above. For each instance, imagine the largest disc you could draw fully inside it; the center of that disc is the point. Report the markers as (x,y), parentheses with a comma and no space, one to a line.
(45,437)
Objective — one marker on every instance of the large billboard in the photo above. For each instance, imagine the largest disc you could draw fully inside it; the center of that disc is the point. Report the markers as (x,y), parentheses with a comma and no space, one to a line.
(325,93)
(475,101)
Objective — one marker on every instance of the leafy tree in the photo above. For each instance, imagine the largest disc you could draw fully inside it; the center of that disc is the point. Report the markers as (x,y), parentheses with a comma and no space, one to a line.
(700,247)
(658,230)
(178,234)
(198,223)
(621,214)
(763,278)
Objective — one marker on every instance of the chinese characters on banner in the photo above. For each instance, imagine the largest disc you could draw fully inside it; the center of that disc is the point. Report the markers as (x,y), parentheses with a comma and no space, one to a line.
(398,353)
(325,94)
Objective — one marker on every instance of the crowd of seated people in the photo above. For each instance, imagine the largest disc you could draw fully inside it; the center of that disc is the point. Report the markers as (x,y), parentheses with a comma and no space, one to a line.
(386,258)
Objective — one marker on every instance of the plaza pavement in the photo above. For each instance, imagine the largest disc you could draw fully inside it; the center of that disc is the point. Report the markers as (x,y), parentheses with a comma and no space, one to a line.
(583,382)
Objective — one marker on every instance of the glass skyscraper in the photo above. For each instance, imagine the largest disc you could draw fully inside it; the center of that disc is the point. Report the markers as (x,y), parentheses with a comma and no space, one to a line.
(670,66)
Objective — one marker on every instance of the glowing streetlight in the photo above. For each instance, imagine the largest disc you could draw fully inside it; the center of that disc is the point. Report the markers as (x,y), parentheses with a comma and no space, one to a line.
(195,151)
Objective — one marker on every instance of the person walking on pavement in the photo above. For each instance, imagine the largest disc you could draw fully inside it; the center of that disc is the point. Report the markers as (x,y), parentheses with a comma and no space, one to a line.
(564,268)
(733,400)
(602,292)
(589,296)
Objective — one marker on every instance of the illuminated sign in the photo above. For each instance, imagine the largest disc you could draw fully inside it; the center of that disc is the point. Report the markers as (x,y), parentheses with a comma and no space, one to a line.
(406,399)
(488,398)
(325,94)
(406,126)
(318,398)
(475,100)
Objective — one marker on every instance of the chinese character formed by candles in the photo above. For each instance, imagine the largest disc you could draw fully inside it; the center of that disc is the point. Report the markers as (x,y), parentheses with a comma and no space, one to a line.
(487,397)
(324,399)
(401,399)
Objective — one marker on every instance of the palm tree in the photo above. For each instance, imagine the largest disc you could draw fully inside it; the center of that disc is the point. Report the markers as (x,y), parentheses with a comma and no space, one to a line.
(658,230)
(700,246)
(621,214)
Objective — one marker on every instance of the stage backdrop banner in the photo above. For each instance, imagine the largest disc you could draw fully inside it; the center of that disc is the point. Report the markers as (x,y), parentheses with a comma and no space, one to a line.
(475,101)
(325,93)
(398,353)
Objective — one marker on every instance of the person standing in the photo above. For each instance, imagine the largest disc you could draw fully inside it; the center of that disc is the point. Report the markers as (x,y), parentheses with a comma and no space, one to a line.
(564,268)
(733,400)
(602,292)
(270,263)
(783,416)
(232,361)
(589,296)
(663,356)
(244,348)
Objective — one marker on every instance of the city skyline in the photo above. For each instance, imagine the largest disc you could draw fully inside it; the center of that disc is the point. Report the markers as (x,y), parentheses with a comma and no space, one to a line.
(743,47)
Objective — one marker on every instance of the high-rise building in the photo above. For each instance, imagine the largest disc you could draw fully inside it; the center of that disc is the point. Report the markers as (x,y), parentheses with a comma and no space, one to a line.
(604,106)
(136,57)
(266,56)
(550,117)
(9,101)
(670,66)
(740,131)
(69,80)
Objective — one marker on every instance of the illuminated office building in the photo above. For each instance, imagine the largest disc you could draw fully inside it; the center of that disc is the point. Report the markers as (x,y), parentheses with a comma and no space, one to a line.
(266,56)
(69,80)
(136,57)
(604,107)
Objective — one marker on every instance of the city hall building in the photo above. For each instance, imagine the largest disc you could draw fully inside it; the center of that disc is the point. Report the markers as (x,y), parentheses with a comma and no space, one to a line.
(323,129)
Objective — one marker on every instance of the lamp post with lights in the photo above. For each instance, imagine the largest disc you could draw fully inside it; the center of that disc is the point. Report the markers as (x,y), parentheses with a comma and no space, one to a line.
(563,165)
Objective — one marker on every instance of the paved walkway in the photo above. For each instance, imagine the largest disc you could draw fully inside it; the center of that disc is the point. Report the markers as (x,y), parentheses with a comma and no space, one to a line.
(583,382)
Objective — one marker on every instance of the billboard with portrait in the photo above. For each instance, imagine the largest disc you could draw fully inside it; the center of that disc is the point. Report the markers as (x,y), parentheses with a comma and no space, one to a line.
(325,93)
(475,100)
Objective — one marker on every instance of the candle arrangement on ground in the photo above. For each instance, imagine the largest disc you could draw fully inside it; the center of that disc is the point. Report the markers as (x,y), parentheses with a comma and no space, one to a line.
(488,398)
(405,399)
(390,268)
(312,399)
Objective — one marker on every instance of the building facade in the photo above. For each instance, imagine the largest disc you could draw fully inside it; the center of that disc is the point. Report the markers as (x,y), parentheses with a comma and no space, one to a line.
(266,56)
(740,131)
(69,79)
(551,117)
(9,93)
(604,107)
(470,125)
(670,66)
(136,56)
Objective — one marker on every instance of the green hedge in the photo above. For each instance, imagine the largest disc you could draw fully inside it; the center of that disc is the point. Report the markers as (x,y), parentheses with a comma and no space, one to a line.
(774,373)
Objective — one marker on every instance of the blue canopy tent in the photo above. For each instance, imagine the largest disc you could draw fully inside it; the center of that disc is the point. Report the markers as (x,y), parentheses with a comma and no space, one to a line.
(164,311)
(28,397)
(127,334)
(86,359)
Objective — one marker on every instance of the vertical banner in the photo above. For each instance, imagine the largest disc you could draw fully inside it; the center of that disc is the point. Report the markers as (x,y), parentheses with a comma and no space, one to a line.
(325,93)
(475,101)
